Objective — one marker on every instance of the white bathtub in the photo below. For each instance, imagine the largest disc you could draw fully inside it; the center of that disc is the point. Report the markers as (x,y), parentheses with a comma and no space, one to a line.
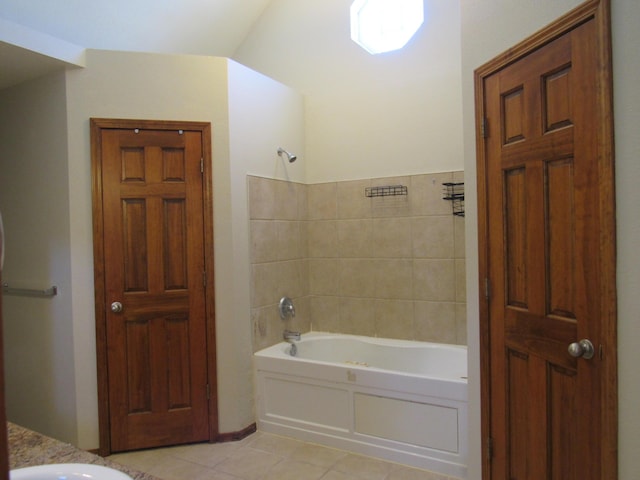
(397,400)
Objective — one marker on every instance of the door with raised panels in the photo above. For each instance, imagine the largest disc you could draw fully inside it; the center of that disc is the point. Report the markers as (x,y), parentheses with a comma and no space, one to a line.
(154,299)
(548,259)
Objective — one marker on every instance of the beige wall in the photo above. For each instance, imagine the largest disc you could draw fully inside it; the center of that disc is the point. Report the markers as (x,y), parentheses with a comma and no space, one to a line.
(38,347)
(126,85)
(367,116)
(46,187)
(489,27)
(385,266)
(263,114)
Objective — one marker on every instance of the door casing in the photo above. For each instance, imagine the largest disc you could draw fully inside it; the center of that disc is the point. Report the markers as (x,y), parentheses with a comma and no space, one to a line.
(98,124)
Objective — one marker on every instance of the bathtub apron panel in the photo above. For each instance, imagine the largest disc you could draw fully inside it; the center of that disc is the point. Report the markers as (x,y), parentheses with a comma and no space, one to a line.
(411,418)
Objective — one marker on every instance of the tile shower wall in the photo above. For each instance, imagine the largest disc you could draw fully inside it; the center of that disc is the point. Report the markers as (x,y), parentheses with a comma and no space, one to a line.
(278,252)
(384,266)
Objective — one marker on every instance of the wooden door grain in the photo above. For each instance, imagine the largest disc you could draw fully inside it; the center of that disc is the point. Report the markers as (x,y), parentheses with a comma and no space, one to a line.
(547,257)
(154,278)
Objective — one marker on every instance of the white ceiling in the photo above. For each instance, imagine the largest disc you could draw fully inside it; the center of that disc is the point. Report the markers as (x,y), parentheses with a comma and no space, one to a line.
(204,27)
(304,44)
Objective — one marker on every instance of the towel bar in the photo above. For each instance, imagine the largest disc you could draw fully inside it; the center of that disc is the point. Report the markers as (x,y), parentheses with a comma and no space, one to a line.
(30,292)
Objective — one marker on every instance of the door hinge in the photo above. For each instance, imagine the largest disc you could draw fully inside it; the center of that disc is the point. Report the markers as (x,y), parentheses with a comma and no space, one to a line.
(208,392)
(201,165)
(484,128)
(489,448)
(487,289)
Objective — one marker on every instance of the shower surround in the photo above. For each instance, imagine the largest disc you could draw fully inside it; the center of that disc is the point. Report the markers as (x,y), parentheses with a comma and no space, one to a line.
(388,267)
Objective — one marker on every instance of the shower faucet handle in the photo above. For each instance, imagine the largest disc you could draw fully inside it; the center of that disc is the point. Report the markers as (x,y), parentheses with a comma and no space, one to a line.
(286,308)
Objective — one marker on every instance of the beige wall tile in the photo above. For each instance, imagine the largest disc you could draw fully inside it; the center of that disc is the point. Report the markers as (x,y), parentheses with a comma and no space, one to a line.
(459,237)
(364,273)
(433,236)
(325,314)
(355,238)
(264,284)
(392,206)
(303,268)
(392,237)
(261,198)
(304,239)
(394,279)
(266,327)
(394,319)
(356,278)
(286,200)
(322,201)
(290,280)
(303,202)
(427,192)
(461,323)
(357,316)
(264,241)
(352,201)
(323,276)
(435,322)
(434,280)
(385,207)
(461,281)
(322,238)
(288,240)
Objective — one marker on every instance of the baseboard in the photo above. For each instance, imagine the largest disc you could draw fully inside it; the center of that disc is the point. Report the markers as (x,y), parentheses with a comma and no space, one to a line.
(235,436)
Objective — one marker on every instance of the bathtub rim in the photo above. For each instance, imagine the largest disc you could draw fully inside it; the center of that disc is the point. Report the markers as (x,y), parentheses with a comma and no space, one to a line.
(375,340)
(274,359)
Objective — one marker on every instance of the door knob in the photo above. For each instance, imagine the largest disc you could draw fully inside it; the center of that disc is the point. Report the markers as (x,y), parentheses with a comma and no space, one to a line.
(116,307)
(583,348)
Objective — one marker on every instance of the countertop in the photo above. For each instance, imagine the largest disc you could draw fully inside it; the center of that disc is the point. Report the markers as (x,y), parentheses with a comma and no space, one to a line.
(28,448)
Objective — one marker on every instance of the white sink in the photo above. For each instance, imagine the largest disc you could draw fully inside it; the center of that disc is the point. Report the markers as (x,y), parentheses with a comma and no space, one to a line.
(67,471)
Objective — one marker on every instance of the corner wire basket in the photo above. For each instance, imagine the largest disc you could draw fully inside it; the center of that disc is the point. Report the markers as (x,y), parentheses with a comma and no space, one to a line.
(454,192)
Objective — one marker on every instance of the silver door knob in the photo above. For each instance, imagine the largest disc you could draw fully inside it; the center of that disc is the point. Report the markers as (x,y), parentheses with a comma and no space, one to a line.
(583,348)
(116,307)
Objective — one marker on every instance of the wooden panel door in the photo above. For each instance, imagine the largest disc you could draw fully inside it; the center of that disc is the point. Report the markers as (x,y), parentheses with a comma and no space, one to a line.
(154,286)
(548,262)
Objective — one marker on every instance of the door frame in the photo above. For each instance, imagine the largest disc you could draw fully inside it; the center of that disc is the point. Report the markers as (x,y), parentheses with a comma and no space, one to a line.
(598,11)
(96,127)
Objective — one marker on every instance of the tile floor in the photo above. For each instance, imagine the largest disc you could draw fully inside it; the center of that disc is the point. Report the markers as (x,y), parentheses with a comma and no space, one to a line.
(263,456)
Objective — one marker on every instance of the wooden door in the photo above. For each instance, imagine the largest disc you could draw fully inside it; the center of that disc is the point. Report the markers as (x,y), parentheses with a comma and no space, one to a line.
(153,274)
(546,216)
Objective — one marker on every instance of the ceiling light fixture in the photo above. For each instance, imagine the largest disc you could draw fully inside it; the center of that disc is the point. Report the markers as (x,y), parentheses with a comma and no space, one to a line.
(381,26)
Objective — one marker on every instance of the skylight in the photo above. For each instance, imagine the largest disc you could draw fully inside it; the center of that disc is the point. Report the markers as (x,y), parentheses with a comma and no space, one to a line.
(381,26)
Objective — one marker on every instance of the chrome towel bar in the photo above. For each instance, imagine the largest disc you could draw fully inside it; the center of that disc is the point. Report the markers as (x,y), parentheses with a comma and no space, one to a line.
(30,292)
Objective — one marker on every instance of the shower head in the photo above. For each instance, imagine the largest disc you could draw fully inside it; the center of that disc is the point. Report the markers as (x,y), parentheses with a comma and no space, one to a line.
(290,156)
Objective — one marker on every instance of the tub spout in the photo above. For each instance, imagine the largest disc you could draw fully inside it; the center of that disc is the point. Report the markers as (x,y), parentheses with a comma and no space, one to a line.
(289,335)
